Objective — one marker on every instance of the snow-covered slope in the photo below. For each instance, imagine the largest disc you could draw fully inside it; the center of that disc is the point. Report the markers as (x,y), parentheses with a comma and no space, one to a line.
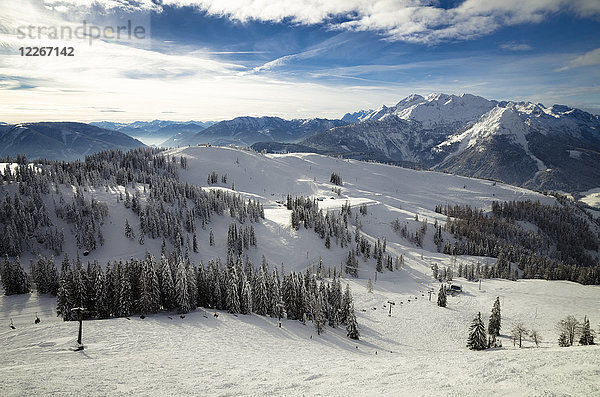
(391,192)
(418,350)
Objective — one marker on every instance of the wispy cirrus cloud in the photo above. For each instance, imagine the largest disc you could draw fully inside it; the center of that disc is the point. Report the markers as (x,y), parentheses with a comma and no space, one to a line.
(512,46)
(590,58)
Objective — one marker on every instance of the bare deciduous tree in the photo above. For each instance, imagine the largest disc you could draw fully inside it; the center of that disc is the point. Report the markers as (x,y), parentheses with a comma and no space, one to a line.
(519,332)
(536,337)
(568,326)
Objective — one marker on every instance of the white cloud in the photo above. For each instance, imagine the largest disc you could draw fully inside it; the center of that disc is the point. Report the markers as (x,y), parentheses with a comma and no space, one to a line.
(409,20)
(512,46)
(590,58)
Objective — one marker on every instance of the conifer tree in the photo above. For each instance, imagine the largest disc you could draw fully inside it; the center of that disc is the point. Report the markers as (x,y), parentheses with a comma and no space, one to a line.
(563,339)
(346,304)
(352,331)
(128,230)
(587,336)
(233,299)
(192,277)
(494,324)
(101,298)
(319,315)
(14,278)
(182,297)
(261,304)
(246,303)
(441,301)
(477,338)
(167,287)
(124,304)
(63,301)
(277,304)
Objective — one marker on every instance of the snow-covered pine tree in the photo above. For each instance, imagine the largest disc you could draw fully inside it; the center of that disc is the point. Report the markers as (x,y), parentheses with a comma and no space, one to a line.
(494,324)
(318,314)
(477,339)
(352,330)
(64,302)
(435,271)
(233,299)
(128,230)
(277,306)
(167,287)
(101,299)
(192,277)
(182,297)
(124,306)
(441,301)
(14,278)
(587,336)
(335,302)
(202,286)
(346,304)
(246,303)
(146,304)
(261,303)
(563,339)
(79,286)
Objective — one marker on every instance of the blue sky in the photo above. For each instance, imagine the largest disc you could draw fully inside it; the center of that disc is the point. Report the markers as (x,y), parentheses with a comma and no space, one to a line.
(212,60)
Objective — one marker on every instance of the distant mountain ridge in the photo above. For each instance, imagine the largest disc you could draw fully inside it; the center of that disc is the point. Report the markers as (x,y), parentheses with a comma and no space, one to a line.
(521,143)
(60,140)
(156,130)
(246,131)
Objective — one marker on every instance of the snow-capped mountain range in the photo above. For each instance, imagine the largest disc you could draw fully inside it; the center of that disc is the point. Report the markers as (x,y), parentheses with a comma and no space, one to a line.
(522,143)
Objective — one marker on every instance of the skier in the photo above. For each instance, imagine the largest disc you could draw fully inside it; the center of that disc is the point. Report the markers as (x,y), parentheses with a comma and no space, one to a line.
(37,319)
(11,324)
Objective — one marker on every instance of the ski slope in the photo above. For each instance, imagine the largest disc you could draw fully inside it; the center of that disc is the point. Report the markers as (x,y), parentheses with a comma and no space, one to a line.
(418,350)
